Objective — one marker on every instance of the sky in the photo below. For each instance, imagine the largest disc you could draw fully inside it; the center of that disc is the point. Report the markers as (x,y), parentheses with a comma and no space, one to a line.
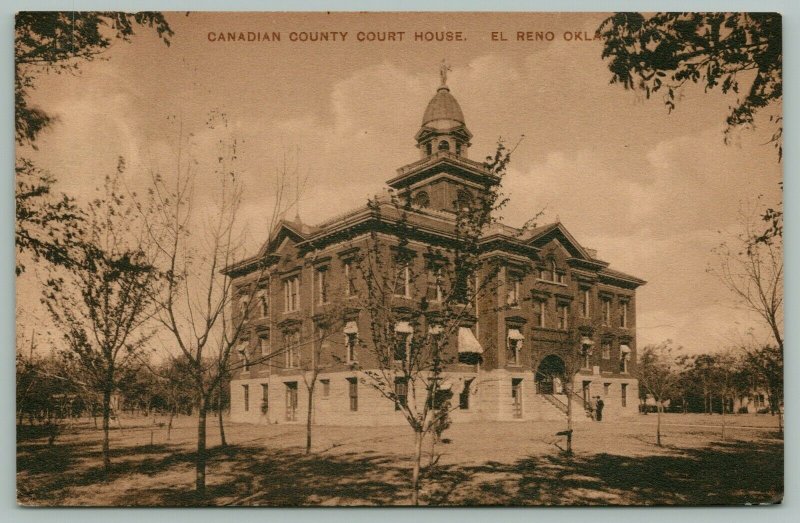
(653,192)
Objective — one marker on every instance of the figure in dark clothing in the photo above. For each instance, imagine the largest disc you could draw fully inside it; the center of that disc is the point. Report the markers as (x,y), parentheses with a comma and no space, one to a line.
(599,409)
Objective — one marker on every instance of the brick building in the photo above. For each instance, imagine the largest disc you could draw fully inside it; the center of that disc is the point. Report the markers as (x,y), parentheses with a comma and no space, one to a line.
(556,307)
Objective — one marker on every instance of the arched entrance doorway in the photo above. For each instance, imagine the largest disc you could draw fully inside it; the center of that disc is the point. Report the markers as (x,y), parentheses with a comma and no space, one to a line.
(550,375)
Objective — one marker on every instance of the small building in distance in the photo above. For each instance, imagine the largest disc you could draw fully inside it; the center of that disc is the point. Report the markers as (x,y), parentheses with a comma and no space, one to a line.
(557,307)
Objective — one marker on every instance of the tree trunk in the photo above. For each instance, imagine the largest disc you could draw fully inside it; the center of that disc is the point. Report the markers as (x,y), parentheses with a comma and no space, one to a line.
(169,425)
(223,442)
(419,436)
(723,418)
(658,424)
(569,421)
(106,427)
(200,461)
(309,418)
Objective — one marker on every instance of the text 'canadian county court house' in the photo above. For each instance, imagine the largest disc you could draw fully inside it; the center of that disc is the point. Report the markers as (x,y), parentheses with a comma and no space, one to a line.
(548,285)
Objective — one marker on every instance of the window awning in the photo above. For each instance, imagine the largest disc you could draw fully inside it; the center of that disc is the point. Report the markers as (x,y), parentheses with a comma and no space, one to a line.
(586,341)
(351,327)
(515,334)
(467,342)
(404,327)
(624,349)
(435,330)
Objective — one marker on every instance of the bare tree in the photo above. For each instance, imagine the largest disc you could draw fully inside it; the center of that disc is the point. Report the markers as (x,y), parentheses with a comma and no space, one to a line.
(417,304)
(103,301)
(657,375)
(205,315)
(752,271)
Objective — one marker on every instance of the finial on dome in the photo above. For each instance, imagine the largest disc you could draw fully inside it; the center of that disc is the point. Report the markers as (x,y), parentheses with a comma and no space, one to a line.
(444,67)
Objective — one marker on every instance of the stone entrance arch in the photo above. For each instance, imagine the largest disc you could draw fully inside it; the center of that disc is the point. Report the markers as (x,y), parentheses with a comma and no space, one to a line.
(550,375)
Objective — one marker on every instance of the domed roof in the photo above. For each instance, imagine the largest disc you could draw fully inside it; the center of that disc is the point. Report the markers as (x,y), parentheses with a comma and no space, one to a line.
(443,111)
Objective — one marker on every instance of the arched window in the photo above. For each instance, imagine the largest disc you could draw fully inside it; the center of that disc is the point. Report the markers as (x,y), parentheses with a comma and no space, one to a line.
(463,200)
(429,148)
(458,148)
(444,145)
(421,199)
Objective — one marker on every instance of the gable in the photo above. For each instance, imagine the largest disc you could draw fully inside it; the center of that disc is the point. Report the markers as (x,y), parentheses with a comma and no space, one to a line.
(558,235)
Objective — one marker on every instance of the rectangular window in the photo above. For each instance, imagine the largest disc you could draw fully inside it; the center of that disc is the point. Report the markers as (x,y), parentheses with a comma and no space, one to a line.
(606,311)
(349,279)
(606,388)
(624,394)
(585,302)
(291,347)
(264,398)
(291,294)
(263,343)
(512,291)
(401,393)
(516,397)
(243,356)
(605,349)
(322,285)
(463,398)
(326,388)
(351,341)
(562,278)
(539,312)
(623,314)
(262,299)
(353,392)
(291,401)
(514,344)
(563,314)
(402,282)
(434,290)
(402,342)
(246,392)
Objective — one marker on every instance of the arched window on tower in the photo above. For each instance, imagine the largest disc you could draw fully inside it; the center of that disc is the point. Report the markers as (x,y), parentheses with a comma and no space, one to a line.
(421,199)
(429,148)
(463,200)
(458,148)
(444,145)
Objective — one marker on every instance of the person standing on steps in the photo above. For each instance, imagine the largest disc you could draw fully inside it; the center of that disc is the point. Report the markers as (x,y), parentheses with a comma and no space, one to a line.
(599,408)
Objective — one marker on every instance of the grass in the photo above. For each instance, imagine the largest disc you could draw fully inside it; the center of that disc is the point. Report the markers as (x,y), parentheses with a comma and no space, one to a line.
(492,463)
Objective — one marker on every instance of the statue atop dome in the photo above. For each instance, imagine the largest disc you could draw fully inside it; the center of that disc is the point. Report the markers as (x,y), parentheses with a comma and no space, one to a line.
(444,67)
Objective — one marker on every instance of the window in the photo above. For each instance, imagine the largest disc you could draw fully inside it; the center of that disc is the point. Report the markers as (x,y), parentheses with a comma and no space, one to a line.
(353,392)
(553,270)
(623,314)
(562,278)
(401,393)
(512,290)
(562,312)
(514,342)
(463,200)
(244,304)
(539,312)
(326,388)
(434,290)
(351,343)
(606,311)
(402,282)
(585,302)
(264,398)
(349,277)
(421,199)
(291,347)
(262,300)
(263,342)
(606,388)
(444,145)
(544,274)
(243,356)
(246,392)
(463,398)
(516,397)
(624,394)
(605,349)
(322,285)
(624,356)
(429,148)
(291,294)
(401,346)
(291,401)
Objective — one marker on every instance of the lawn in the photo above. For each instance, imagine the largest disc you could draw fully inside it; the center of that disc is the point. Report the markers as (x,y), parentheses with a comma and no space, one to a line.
(501,463)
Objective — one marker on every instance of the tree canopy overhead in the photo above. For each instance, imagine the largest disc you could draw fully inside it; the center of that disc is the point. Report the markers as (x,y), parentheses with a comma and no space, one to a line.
(664,51)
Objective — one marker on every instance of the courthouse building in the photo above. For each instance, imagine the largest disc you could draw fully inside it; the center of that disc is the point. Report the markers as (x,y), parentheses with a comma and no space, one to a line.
(549,286)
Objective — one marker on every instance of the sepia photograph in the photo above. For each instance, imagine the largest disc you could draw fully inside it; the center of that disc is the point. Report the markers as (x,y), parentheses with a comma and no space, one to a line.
(391,259)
